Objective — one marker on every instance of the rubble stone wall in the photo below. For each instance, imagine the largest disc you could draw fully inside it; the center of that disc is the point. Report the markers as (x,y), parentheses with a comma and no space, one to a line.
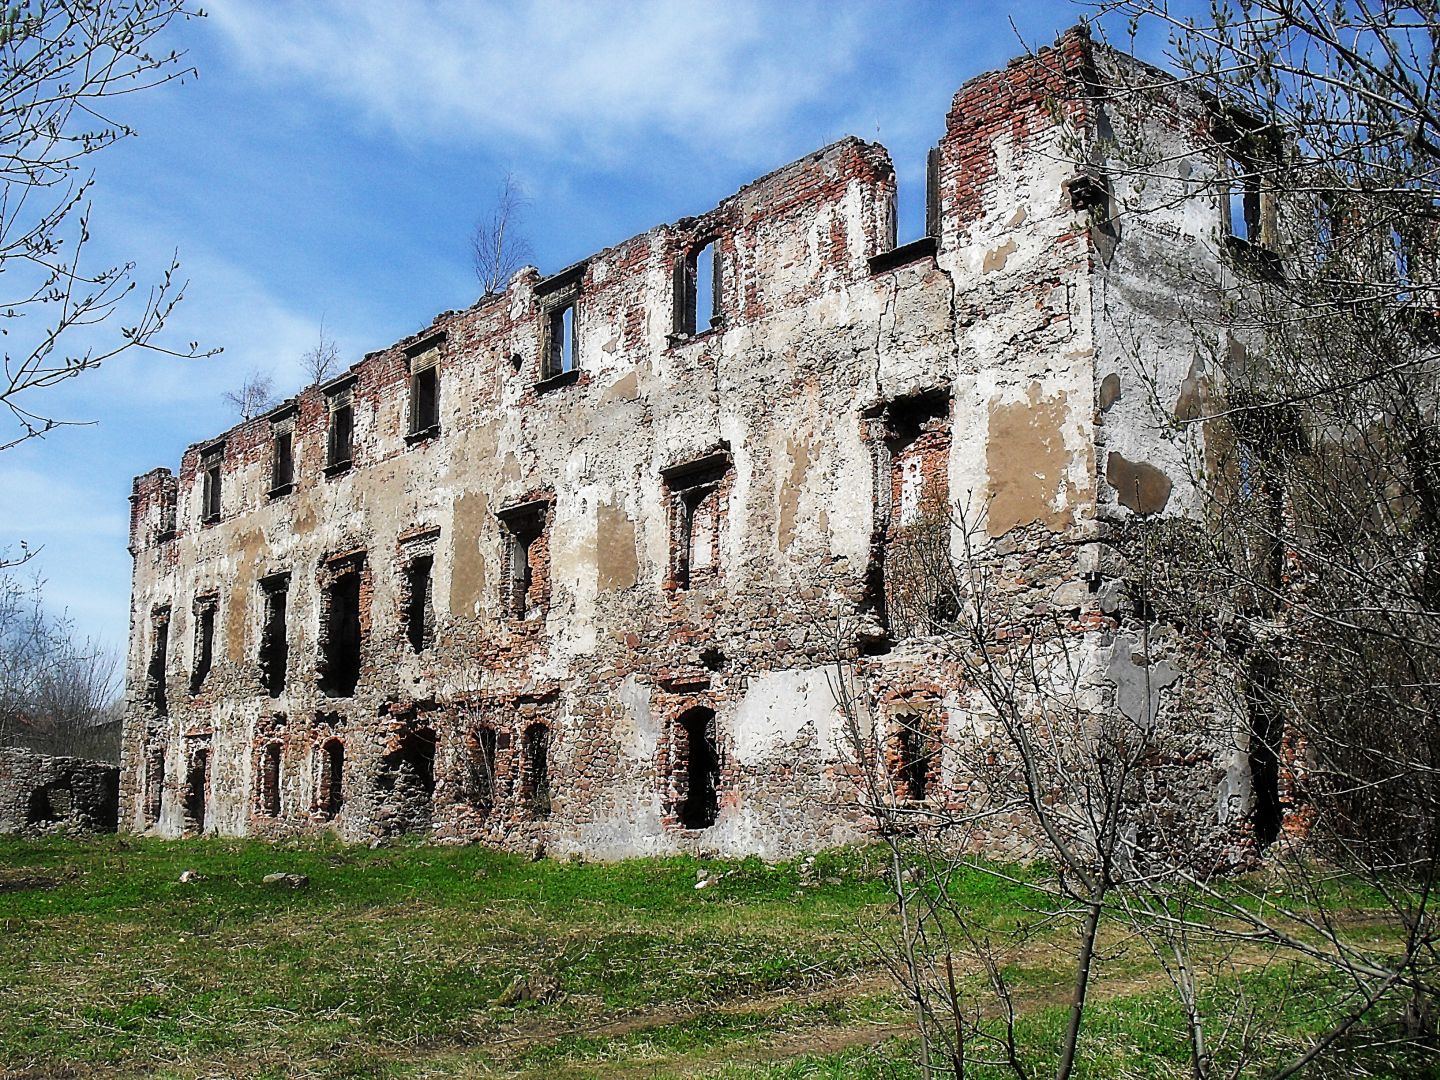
(38,791)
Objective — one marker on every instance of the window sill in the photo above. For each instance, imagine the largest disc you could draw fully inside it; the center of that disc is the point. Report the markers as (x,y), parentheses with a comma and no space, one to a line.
(423,434)
(904,255)
(281,491)
(208,521)
(338,467)
(555,382)
(686,337)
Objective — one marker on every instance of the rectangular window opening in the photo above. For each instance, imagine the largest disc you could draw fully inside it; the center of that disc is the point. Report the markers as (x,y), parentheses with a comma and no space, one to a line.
(206,608)
(560,349)
(535,788)
(341,630)
(1243,206)
(481,748)
(425,395)
(274,635)
(340,431)
(525,561)
(159,662)
(697,497)
(698,306)
(282,462)
(154,781)
(210,467)
(419,607)
(269,780)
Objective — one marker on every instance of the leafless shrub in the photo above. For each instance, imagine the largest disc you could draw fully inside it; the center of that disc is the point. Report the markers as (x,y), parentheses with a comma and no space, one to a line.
(498,246)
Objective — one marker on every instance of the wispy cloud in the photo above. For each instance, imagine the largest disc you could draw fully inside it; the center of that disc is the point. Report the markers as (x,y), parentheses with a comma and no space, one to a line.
(562,77)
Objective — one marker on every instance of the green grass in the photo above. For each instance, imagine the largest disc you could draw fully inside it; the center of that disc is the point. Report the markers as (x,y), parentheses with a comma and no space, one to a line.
(391,962)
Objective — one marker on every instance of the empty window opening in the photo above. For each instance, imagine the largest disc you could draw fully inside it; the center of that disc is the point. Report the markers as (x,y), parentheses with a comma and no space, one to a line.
(419,606)
(481,748)
(154,782)
(425,394)
(1266,733)
(159,661)
(205,611)
(282,460)
(914,756)
(932,192)
(560,350)
(525,560)
(50,803)
(269,785)
(1242,205)
(698,495)
(331,788)
(341,628)
(274,634)
(919,592)
(197,787)
(210,468)
(340,432)
(696,774)
(535,781)
(698,305)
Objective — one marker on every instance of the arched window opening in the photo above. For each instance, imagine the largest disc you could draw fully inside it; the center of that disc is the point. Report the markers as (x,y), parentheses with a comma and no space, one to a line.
(696,769)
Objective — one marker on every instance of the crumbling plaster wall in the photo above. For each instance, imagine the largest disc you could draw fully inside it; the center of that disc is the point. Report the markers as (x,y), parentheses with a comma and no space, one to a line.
(814,342)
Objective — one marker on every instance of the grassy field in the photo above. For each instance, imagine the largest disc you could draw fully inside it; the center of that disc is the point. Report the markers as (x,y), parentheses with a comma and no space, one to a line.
(402,962)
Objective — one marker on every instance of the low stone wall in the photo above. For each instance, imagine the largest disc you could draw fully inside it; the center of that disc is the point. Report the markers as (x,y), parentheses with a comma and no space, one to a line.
(38,791)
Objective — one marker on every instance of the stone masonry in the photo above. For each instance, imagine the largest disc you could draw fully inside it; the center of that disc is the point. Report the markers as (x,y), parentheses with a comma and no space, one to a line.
(38,791)
(573,566)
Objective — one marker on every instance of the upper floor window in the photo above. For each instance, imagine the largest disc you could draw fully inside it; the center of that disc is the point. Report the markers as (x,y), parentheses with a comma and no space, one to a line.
(560,348)
(525,560)
(274,634)
(206,609)
(698,497)
(343,621)
(417,601)
(1251,149)
(425,393)
(341,427)
(211,462)
(697,301)
(282,456)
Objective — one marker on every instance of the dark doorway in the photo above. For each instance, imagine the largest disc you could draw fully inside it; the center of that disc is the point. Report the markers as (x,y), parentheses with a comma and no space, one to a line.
(698,765)
(197,781)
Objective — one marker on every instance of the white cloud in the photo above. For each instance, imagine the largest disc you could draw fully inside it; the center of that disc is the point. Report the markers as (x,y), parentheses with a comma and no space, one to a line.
(563,77)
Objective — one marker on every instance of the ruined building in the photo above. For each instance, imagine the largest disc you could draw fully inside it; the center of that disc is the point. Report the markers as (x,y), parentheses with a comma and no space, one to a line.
(573,565)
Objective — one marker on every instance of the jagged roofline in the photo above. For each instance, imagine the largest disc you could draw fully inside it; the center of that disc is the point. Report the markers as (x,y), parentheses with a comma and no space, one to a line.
(877,155)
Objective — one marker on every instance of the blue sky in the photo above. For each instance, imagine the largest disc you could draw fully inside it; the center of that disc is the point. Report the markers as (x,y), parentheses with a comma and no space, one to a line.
(331,159)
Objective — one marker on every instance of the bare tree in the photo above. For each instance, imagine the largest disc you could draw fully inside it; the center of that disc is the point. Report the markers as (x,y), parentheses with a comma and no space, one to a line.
(1308,588)
(322,360)
(58,694)
(498,246)
(254,396)
(61,64)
